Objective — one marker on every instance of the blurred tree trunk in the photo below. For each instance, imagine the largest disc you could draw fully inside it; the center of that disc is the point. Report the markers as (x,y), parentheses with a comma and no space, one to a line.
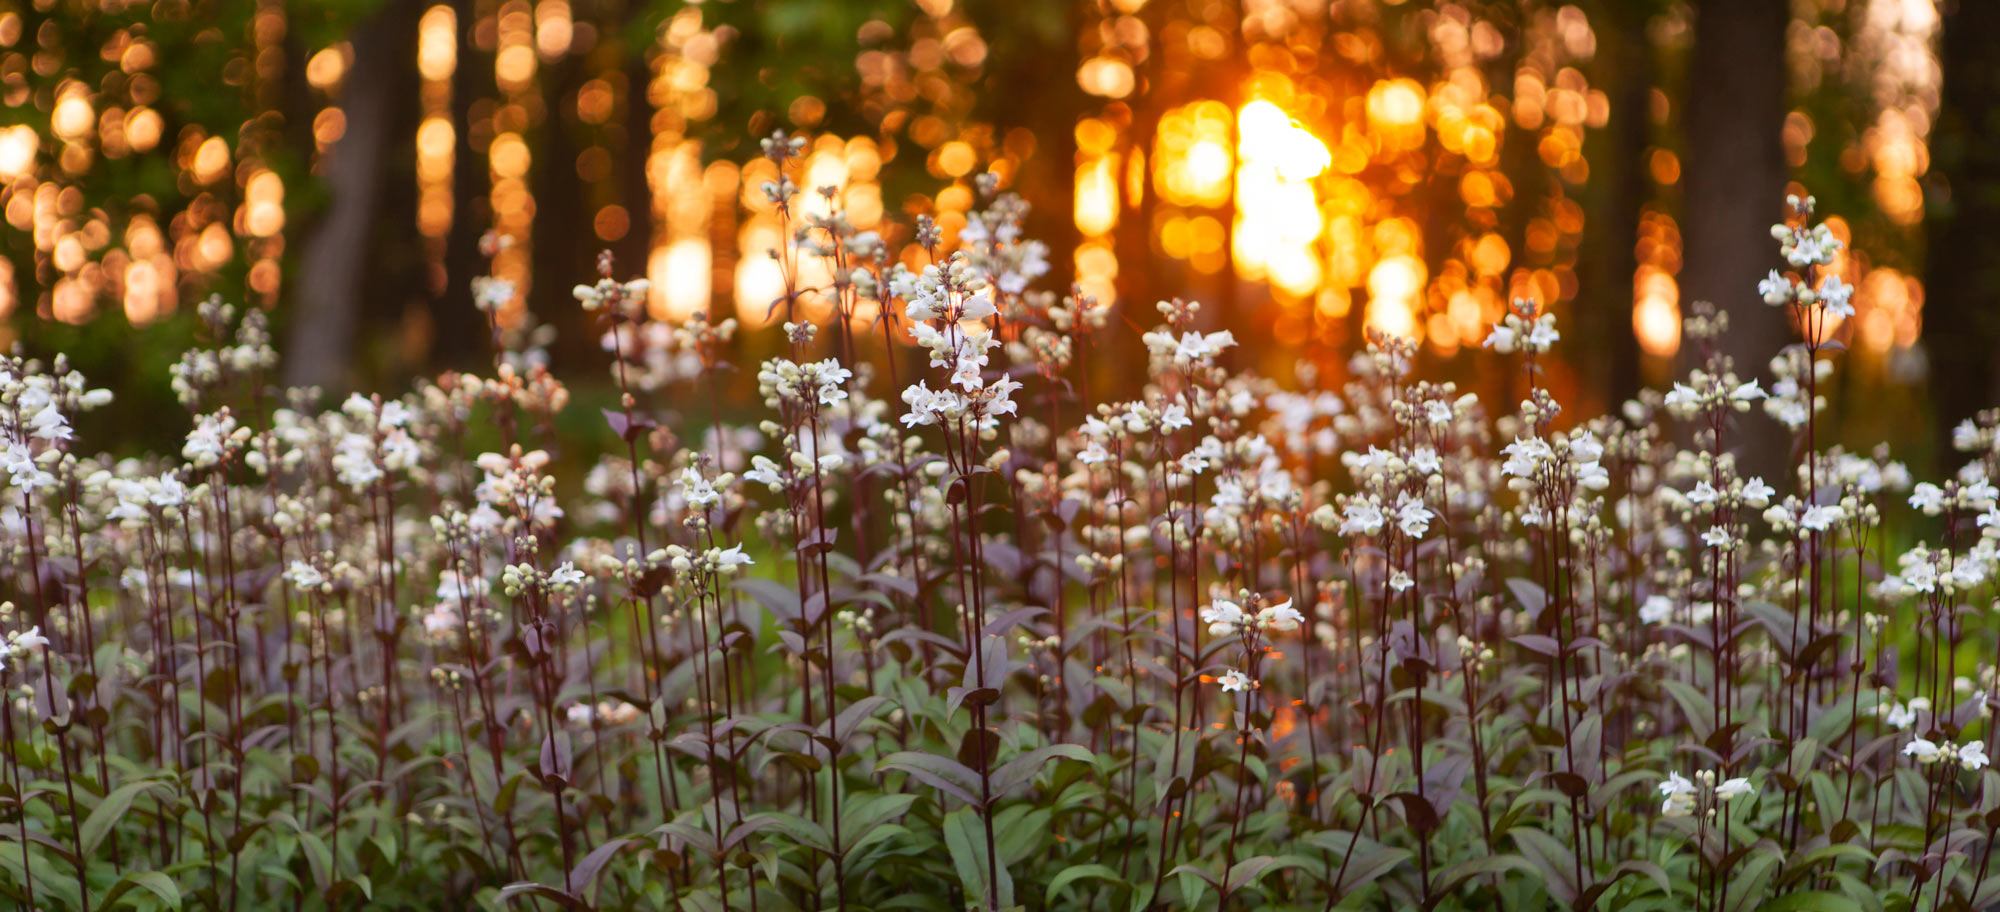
(334,269)
(632,142)
(1962,273)
(462,335)
(1609,256)
(1735,184)
(564,251)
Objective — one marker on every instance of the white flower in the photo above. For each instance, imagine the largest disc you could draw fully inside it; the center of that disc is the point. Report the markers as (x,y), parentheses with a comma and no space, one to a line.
(485,519)
(1362,517)
(1837,296)
(764,472)
(979,306)
(1731,788)
(1928,498)
(1503,339)
(490,293)
(394,415)
(1525,455)
(1900,716)
(1544,333)
(1977,493)
(1747,391)
(1233,680)
(304,575)
(453,588)
(1775,289)
(1716,537)
(831,379)
(1757,494)
(1174,418)
(1222,617)
(1989,518)
(1585,448)
(442,618)
(1195,346)
(1820,518)
(1281,617)
(49,423)
(1811,250)
(26,474)
(1413,518)
(29,640)
(1923,750)
(729,558)
(966,374)
(697,491)
(1676,784)
(18,459)
(1678,794)
(1657,609)
(168,491)
(131,500)
(565,576)
(1972,755)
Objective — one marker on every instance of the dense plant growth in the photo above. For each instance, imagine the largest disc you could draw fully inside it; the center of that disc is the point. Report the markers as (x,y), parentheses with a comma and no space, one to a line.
(942,627)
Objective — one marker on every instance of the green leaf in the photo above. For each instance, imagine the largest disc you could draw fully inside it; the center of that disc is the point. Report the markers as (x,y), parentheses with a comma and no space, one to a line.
(1369,859)
(514,891)
(582,880)
(1553,859)
(109,811)
(1746,882)
(865,812)
(1021,831)
(319,858)
(779,599)
(798,829)
(155,882)
(965,837)
(1810,901)
(1695,706)
(1450,879)
(1074,873)
(941,773)
(1249,871)
(1591,895)
(1024,767)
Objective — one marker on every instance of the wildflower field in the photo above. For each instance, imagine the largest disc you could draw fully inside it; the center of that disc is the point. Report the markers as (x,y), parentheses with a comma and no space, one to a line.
(941,627)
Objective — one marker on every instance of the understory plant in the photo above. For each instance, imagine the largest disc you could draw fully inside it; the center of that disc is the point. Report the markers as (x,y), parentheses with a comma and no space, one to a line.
(912,615)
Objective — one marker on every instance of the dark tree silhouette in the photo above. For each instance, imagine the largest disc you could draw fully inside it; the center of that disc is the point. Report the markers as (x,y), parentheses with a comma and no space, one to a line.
(461,328)
(1734,185)
(1961,322)
(334,271)
(1609,256)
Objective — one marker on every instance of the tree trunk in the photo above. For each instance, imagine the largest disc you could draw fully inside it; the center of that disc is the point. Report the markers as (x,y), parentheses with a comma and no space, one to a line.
(335,265)
(1961,330)
(564,249)
(1735,184)
(631,143)
(463,339)
(1608,257)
